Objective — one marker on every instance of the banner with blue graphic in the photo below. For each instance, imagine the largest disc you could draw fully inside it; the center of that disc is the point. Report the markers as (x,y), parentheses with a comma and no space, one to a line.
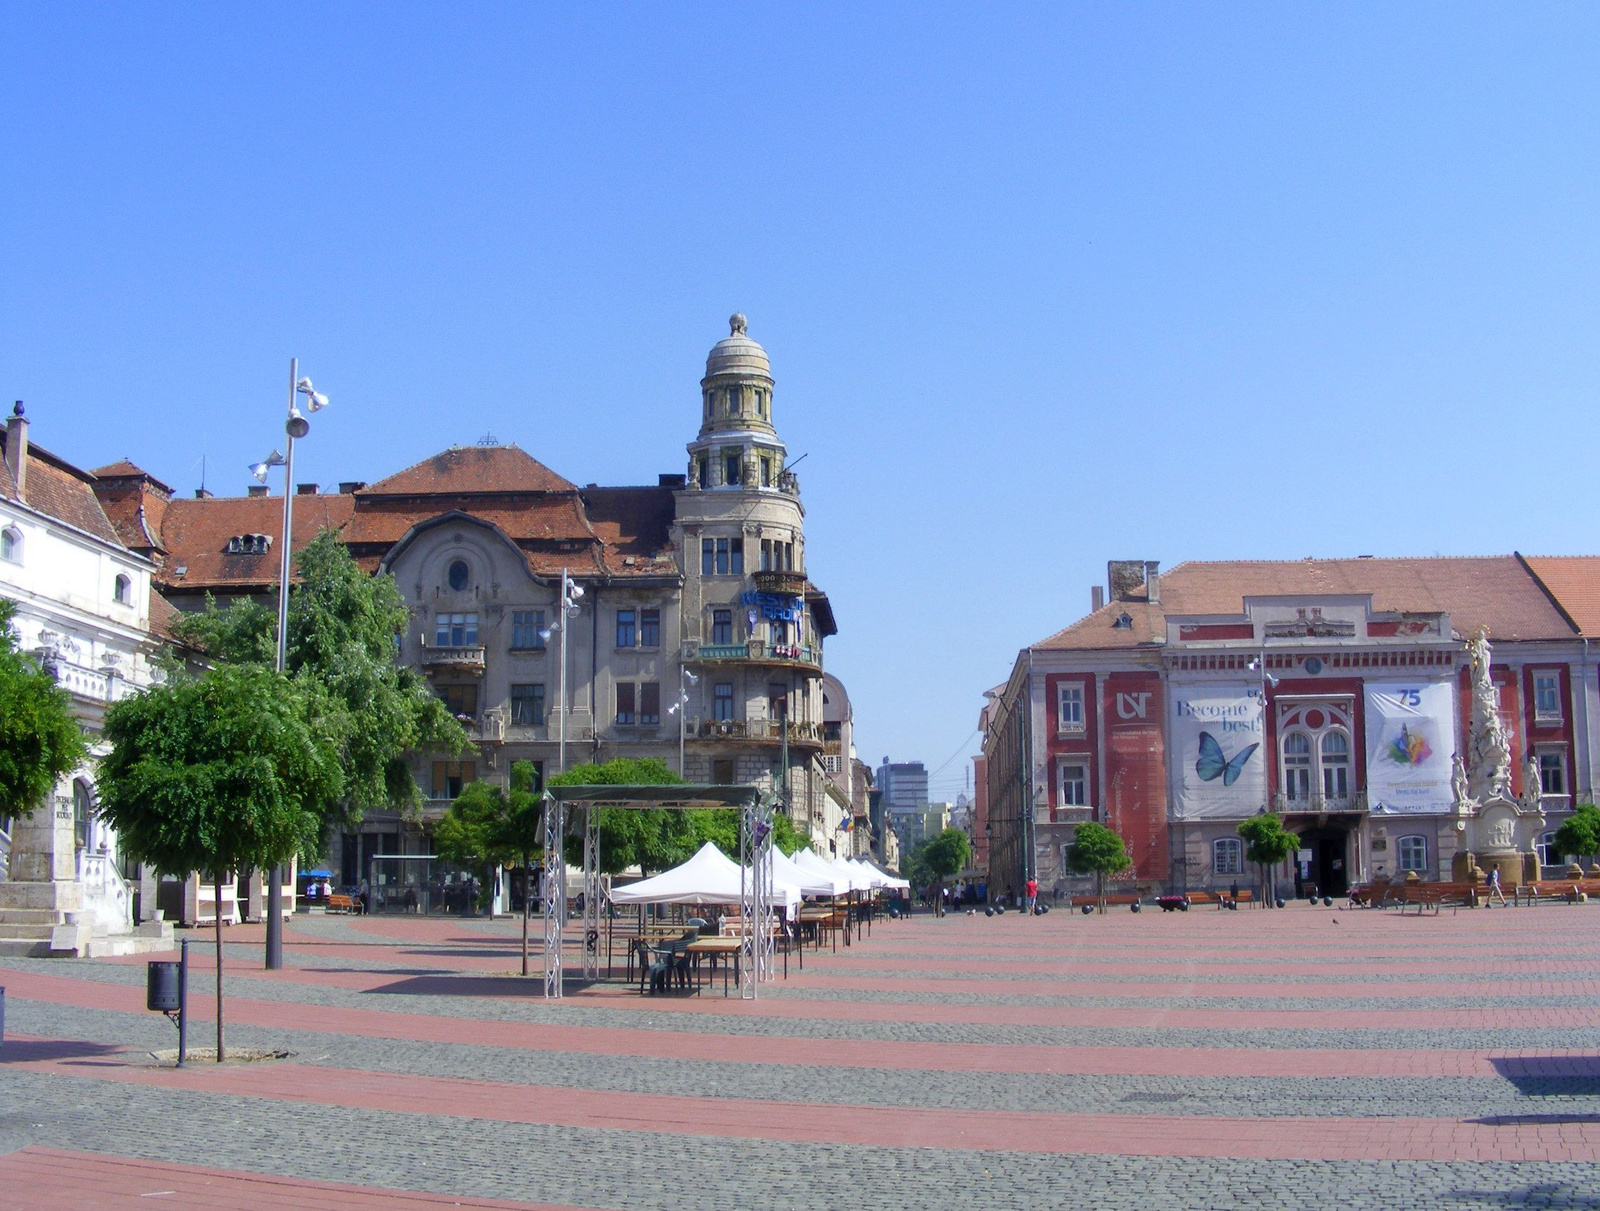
(1410,740)
(1216,737)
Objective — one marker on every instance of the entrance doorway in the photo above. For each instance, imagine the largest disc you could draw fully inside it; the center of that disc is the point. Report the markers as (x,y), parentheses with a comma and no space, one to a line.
(1328,870)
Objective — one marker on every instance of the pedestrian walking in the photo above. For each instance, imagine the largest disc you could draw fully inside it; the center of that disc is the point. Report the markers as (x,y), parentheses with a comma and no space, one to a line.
(1033,893)
(1494,887)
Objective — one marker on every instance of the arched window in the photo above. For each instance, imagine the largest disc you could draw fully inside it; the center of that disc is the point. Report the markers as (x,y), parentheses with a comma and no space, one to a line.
(123,590)
(460,575)
(1414,854)
(82,809)
(11,545)
(1335,766)
(1297,766)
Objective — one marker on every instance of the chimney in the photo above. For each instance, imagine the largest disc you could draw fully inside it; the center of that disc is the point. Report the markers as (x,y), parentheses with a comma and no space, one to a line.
(202,494)
(17,449)
(1097,597)
(1152,581)
(305,489)
(258,489)
(349,486)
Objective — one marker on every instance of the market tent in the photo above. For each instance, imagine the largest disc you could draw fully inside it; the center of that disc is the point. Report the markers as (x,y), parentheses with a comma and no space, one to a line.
(812,882)
(710,877)
(853,880)
(889,881)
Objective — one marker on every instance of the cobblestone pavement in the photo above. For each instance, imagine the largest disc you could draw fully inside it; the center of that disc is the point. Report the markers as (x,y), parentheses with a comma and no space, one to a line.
(1252,1059)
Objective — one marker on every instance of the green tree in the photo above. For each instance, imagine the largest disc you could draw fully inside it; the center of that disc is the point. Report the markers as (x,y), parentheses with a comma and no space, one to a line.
(486,828)
(720,826)
(1579,834)
(222,774)
(941,857)
(1266,844)
(650,840)
(1098,851)
(343,627)
(40,741)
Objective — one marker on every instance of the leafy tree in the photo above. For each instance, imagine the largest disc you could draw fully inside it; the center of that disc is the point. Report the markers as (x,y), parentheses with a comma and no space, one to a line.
(40,741)
(486,828)
(1098,851)
(651,840)
(1266,844)
(220,775)
(1579,834)
(341,655)
(720,826)
(939,858)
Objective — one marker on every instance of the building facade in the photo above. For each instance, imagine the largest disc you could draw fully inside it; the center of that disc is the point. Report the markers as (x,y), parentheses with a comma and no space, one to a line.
(697,638)
(85,612)
(1354,697)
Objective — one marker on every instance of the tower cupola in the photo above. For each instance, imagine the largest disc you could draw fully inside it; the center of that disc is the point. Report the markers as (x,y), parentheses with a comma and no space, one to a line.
(737,446)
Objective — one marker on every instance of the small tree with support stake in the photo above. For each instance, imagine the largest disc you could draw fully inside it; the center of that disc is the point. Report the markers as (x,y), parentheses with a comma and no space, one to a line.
(1098,851)
(219,775)
(1266,844)
(487,827)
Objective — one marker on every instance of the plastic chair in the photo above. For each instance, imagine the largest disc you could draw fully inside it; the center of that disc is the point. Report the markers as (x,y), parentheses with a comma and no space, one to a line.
(654,966)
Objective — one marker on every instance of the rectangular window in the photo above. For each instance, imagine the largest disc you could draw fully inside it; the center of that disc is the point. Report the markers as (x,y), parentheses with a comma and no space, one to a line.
(1552,772)
(737,557)
(1074,785)
(708,554)
(777,702)
(527,705)
(704,477)
(766,471)
(525,628)
(722,557)
(625,628)
(1069,707)
(730,468)
(460,699)
(722,772)
(625,702)
(721,626)
(450,776)
(649,628)
(722,700)
(788,557)
(1227,856)
(766,555)
(1547,697)
(650,702)
(1413,852)
(456,631)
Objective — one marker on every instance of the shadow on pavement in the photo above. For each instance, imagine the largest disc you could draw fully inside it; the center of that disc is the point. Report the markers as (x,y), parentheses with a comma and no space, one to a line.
(29,1051)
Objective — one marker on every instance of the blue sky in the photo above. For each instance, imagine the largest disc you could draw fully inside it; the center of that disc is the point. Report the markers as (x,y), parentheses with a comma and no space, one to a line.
(1042,285)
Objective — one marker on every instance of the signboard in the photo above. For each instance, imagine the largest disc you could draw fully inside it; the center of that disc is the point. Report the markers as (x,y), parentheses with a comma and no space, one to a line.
(1217,732)
(1410,739)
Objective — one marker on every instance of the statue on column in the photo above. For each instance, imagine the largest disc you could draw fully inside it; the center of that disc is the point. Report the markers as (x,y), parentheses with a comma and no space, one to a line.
(1458,782)
(1532,789)
(1490,770)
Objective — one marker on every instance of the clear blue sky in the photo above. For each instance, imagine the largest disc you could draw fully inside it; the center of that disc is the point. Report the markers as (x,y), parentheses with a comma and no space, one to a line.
(1042,285)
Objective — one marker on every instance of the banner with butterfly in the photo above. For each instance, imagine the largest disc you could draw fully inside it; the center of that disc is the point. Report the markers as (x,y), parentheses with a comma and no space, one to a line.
(1410,739)
(1216,730)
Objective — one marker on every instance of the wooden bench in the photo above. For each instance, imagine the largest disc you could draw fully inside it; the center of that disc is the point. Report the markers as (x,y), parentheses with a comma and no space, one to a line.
(1556,891)
(342,903)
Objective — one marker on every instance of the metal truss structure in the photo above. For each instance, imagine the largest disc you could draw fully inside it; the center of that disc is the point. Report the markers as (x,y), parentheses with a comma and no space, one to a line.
(755,885)
(553,888)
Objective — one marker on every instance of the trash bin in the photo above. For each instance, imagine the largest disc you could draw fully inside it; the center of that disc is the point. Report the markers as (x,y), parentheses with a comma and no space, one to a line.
(161,986)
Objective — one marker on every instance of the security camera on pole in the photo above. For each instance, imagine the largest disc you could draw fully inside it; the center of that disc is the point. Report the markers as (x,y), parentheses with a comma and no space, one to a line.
(296,426)
(571,591)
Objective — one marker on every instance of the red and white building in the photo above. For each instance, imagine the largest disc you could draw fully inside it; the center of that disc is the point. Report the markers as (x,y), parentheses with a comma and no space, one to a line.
(1335,692)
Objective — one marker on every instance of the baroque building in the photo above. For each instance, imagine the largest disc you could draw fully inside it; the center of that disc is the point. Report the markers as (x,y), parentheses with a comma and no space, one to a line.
(1404,716)
(697,637)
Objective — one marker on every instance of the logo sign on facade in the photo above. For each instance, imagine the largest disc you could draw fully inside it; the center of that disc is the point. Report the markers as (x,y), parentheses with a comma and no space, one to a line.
(1133,706)
(784,609)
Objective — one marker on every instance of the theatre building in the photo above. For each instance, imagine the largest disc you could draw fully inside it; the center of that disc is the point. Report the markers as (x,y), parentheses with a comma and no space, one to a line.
(1402,715)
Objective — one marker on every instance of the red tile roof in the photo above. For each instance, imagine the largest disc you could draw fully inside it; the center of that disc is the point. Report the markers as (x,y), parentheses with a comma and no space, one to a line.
(1494,591)
(60,490)
(196,534)
(1574,581)
(464,469)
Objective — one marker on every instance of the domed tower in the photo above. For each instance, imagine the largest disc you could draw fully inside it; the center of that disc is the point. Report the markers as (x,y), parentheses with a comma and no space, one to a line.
(752,641)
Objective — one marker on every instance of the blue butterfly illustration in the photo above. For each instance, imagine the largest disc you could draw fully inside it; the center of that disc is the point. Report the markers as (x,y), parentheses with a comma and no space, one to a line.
(1213,764)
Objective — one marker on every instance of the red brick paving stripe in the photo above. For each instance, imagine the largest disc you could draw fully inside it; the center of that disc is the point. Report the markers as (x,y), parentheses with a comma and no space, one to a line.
(55,1179)
(1426,1139)
(1372,990)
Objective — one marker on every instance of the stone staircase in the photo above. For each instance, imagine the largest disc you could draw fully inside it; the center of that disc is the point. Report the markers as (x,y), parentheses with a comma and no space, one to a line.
(45,920)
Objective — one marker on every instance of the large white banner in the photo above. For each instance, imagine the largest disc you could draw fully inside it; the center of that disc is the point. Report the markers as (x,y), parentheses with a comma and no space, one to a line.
(1216,733)
(1410,739)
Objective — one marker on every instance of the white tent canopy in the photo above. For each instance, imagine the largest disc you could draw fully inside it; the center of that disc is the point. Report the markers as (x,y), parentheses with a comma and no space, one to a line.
(710,877)
(853,880)
(888,880)
(811,882)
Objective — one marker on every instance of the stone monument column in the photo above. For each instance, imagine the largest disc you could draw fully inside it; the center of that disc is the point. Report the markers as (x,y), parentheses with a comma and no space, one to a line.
(41,901)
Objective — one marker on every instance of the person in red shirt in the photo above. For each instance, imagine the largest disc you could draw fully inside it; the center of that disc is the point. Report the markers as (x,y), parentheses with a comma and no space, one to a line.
(1033,893)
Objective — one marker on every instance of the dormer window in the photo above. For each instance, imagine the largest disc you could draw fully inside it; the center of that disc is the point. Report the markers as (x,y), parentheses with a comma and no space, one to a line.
(122,590)
(459,575)
(249,544)
(1124,622)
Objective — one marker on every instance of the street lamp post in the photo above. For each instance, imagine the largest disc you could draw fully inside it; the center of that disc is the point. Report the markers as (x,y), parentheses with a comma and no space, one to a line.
(680,708)
(570,592)
(295,426)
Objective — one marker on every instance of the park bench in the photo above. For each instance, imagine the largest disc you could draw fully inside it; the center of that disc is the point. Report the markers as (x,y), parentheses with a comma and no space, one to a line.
(1554,891)
(338,902)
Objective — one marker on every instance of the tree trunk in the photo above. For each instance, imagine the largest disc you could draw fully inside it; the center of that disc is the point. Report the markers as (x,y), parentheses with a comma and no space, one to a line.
(527,907)
(222,1053)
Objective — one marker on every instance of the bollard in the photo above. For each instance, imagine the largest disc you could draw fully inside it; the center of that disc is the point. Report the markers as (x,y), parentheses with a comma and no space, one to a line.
(2,1013)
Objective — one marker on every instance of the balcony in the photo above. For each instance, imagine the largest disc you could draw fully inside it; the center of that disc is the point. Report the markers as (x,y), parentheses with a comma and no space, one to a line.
(754,651)
(768,731)
(1320,805)
(782,584)
(461,660)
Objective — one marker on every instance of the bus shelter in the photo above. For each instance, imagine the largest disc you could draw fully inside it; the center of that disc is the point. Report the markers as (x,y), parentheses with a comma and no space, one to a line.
(577,804)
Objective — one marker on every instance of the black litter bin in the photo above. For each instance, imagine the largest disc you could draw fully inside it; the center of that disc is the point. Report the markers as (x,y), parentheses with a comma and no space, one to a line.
(161,986)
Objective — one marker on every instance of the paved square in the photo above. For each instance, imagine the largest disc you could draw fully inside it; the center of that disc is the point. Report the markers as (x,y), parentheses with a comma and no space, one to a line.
(1309,1057)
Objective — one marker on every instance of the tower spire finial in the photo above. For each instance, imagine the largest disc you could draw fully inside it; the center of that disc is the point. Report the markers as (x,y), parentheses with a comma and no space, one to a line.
(737,323)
